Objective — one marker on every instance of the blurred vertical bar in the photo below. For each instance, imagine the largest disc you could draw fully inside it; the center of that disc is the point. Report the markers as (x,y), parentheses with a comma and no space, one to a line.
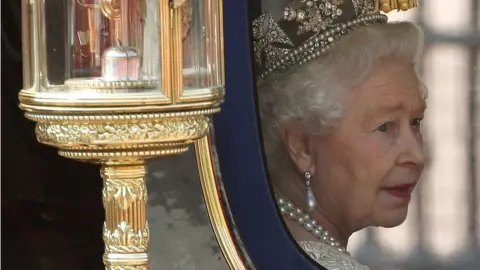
(472,131)
(420,256)
(69,16)
(419,217)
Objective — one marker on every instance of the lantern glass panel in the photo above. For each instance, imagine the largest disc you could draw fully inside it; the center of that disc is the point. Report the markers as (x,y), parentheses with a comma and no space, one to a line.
(92,46)
(201,45)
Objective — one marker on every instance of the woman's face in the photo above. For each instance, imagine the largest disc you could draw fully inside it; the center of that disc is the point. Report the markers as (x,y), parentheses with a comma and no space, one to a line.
(365,170)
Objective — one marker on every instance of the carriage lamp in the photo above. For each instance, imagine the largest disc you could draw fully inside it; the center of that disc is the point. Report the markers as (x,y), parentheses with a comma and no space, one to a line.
(117,82)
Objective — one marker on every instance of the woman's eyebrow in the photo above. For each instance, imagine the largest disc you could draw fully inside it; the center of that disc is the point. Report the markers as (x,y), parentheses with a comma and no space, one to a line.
(393,106)
(382,107)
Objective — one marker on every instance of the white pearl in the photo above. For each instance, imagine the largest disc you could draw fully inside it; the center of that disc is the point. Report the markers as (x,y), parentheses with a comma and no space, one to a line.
(311,201)
(305,220)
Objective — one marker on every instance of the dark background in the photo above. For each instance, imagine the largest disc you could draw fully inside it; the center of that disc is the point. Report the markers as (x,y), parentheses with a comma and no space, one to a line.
(51,206)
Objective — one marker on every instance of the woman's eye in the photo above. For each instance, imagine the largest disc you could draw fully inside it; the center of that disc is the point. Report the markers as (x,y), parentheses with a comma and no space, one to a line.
(416,122)
(383,127)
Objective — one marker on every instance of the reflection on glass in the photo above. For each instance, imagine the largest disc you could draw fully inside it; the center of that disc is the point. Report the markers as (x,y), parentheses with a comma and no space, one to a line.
(95,44)
(27,45)
(201,44)
(178,217)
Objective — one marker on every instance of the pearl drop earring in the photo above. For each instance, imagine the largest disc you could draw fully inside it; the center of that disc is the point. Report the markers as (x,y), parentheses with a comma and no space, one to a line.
(311,200)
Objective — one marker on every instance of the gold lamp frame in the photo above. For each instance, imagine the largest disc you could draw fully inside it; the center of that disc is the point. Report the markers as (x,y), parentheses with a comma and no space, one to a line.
(121,132)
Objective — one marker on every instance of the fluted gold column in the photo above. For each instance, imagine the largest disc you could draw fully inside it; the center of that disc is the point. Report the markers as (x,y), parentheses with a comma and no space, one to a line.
(125,231)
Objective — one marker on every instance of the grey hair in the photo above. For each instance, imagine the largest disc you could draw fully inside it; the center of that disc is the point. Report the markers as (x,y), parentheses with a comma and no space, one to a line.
(309,94)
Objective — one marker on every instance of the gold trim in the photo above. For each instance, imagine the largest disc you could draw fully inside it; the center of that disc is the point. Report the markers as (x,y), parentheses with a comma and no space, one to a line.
(177,52)
(122,154)
(222,51)
(73,99)
(31,101)
(170,146)
(52,118)
(98,83)
(214,205)
(200,94)
(111,110)
(167,70)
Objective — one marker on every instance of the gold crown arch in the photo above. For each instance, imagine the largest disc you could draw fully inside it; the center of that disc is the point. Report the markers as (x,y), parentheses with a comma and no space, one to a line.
(116,82)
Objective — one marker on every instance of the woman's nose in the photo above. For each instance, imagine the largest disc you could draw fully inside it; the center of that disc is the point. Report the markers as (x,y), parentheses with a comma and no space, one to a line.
(413,150)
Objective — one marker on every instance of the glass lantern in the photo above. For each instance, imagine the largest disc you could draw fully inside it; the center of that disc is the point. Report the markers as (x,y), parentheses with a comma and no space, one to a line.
(125,52)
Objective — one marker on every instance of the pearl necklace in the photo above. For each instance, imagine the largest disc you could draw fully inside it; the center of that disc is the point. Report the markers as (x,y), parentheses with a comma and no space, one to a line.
(288,209)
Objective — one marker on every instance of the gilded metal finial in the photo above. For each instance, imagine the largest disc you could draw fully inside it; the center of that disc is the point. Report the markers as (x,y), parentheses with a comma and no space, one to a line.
(400,5)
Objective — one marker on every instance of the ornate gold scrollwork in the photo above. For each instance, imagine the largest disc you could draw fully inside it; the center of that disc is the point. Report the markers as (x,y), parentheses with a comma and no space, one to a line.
(84,133)
(170,130)
(124,193)
(125,239)
(111,9)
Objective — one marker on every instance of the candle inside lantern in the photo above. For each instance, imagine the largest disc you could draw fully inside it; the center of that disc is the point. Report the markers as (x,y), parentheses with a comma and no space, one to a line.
(121,64)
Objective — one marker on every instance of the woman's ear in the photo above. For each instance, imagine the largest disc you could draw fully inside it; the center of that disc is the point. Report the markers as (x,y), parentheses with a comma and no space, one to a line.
(299,148)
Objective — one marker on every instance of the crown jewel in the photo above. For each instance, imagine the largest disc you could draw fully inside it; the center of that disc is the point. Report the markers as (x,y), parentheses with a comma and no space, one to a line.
(310,27)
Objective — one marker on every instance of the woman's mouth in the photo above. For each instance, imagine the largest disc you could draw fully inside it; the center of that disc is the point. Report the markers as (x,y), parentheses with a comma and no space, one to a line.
(401,191)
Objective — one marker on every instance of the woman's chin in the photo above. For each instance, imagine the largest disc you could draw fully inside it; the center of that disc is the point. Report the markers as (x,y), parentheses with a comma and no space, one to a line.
(392,219)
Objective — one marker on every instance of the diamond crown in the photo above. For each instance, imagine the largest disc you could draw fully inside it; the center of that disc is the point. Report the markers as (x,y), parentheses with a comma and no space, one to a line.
(310,27)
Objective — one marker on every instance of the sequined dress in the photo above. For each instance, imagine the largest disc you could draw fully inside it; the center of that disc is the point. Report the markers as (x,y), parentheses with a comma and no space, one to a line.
(329,257)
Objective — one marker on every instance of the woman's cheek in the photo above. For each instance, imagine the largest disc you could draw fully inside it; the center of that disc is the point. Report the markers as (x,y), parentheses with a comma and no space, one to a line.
(380,143)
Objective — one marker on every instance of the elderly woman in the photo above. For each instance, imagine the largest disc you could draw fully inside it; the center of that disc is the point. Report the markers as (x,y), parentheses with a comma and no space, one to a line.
(341,106)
